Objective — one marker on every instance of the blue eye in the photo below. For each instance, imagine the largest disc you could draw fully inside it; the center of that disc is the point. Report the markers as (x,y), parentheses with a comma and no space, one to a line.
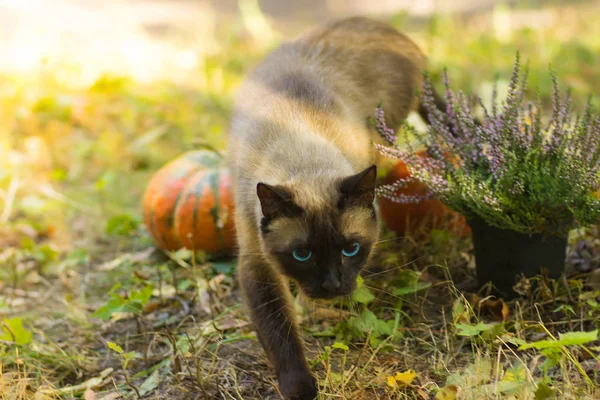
(351,250)
(302,255)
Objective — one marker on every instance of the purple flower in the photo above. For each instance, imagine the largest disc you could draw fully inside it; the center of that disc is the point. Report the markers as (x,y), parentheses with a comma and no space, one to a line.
(510,169)
(386,133)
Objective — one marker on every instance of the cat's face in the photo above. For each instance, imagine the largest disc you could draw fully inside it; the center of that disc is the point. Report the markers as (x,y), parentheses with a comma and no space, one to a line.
(321,241)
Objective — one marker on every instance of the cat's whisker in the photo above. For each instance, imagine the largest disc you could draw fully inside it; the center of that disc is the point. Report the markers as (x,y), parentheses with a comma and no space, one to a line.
(254,254)
(392,269)
(274,317)
(412,303)
(390,240)
(269,302)
(262,282)
(289,332)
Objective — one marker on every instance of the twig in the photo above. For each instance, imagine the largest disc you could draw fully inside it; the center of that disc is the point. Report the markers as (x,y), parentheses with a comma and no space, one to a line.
(9,199)
(361,352)
(142,331)
(131,385)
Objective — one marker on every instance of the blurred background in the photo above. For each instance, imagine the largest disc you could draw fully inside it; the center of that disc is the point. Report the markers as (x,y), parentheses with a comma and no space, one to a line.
(97,94)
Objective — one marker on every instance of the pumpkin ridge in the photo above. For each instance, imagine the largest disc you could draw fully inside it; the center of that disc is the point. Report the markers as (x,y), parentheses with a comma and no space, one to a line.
(190,208)
(214,212)
(171,220)
(198,189)
(195,213)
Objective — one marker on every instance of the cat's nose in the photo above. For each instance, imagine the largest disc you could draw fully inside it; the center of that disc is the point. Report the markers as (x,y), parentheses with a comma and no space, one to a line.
(332,282)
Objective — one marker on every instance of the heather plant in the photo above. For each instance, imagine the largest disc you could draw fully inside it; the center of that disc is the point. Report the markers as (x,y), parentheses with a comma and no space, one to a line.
(513,169)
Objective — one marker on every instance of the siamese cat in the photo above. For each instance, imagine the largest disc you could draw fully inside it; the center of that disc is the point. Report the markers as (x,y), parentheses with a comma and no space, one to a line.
(303,164)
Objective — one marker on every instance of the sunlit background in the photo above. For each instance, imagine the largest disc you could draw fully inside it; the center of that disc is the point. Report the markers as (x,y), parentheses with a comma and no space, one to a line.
(95,94)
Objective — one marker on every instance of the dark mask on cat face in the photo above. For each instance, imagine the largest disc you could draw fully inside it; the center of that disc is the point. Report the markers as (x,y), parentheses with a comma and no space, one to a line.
(323,240)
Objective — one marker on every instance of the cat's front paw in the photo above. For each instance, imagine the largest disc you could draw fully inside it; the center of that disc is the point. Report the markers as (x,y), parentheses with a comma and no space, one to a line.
(298,385)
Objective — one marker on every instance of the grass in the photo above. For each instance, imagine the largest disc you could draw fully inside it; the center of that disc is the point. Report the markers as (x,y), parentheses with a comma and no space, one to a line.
(90,309)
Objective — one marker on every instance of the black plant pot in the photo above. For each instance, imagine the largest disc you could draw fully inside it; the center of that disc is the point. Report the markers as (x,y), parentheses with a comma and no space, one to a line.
(502,255)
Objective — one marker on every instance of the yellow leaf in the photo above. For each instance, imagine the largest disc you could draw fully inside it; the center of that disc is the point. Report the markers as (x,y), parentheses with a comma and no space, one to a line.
(515,374)
(447,393)
(391,382)
(405,378)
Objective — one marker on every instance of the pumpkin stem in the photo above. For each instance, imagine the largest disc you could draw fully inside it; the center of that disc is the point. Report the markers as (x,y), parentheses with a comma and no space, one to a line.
(207,146)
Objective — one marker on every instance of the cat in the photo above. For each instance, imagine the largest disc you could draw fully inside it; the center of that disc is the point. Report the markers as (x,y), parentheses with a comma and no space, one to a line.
(304,170)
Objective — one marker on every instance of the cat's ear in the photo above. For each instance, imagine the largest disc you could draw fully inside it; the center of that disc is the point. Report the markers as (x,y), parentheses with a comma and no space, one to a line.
(275,201)
(359,189)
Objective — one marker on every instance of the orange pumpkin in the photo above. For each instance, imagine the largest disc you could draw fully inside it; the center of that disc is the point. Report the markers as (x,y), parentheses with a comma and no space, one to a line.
(189,203)
(427,214)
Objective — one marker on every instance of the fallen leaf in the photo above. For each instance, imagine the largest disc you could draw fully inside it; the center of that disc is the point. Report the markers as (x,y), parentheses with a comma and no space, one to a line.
(543,392)
(134,258)
(217,286)
(447,393)
(422,393)
(89,394)
(203,298)
(41,396)
(321,313)
(12,330)
(230,323)
(165,292)
(149,384)
(112,264)
(142,255)
(497,308)
(391,382)
(401,378)
(515,374)
(406,377)
(152,306)
(90,383)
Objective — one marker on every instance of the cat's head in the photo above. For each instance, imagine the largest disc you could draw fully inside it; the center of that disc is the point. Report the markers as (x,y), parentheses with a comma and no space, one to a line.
(321,236)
